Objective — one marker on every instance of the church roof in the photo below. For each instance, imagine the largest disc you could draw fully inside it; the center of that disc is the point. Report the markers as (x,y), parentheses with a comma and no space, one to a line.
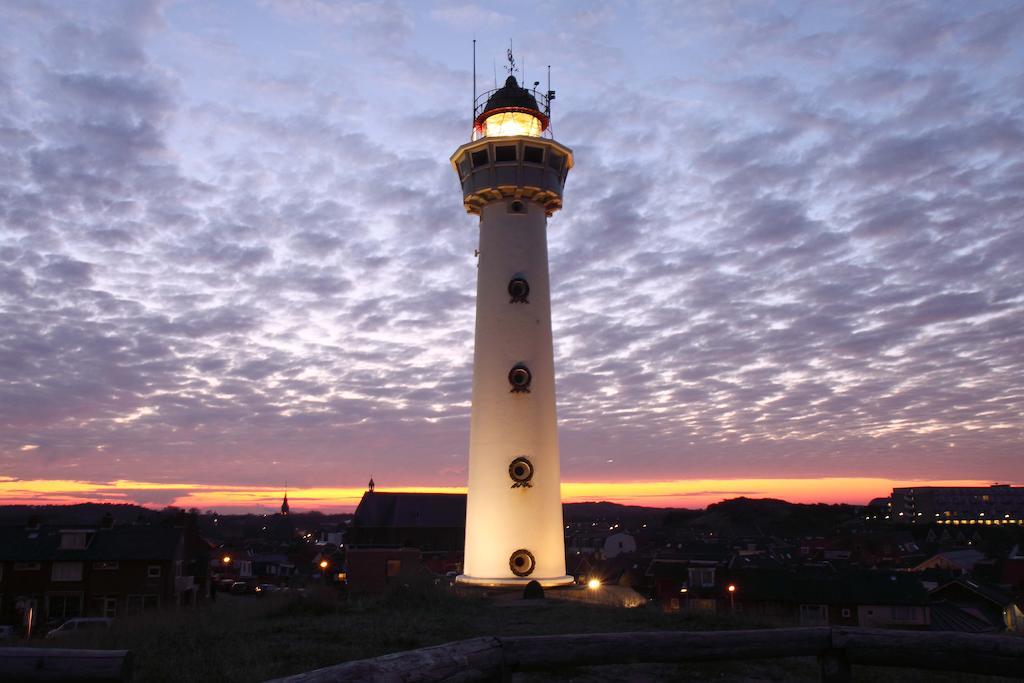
(382,509)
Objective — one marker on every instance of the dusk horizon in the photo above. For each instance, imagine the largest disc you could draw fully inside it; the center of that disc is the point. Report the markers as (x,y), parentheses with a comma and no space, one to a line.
(234,256)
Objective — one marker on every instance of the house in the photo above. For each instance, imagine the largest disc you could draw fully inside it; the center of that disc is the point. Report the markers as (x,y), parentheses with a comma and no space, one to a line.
(809,598)
(425,530)
(984,601)
(373,570)
(58,572)
(959,561)
(274,568)
(618,544)
(428,521)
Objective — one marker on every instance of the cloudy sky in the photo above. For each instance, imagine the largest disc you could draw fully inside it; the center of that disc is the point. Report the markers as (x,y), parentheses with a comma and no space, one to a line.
(233,252)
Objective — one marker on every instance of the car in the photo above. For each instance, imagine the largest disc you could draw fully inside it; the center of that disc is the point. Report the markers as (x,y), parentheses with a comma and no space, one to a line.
(79,625)
(244,588)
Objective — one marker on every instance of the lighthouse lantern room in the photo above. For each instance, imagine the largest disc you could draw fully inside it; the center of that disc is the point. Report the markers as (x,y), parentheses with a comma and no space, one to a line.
(512,174)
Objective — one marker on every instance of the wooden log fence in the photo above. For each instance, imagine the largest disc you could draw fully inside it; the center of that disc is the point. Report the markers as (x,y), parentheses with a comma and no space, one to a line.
(837,650)
(59,664)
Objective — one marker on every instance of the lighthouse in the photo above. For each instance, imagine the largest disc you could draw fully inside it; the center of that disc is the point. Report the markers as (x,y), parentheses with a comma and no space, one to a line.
(512,174)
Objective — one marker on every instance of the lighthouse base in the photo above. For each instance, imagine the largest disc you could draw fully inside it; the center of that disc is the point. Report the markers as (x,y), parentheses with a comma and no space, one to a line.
(513,582)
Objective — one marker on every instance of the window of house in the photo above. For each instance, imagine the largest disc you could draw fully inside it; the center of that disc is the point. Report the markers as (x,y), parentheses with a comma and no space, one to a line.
(811,615)
(903,613)
(106,565)
(136,604)
(153,571)
(66,571)
(703,576)
(846,613)
(702,604)
(73,540)
(26,566)
(63,605)
(105,606)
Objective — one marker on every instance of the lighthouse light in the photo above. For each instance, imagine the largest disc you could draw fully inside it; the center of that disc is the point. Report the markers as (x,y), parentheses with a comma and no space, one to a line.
(506,123)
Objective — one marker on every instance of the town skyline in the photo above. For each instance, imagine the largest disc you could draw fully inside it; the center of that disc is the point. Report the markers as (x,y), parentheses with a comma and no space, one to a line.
(233,253)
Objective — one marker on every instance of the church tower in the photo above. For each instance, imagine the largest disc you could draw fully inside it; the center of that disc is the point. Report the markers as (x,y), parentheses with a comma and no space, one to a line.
(512,173)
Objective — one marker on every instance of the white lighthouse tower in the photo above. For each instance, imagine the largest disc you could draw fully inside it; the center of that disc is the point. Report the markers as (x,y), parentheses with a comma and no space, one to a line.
(512,178)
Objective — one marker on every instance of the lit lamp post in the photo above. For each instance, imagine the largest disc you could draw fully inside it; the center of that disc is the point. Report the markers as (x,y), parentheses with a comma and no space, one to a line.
(732,598)
(323,569)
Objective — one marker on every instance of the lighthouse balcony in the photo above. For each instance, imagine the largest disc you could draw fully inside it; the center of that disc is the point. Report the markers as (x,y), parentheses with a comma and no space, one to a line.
(491,169)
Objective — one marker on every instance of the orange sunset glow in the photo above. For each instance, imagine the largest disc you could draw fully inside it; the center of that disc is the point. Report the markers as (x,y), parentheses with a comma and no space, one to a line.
(695,493)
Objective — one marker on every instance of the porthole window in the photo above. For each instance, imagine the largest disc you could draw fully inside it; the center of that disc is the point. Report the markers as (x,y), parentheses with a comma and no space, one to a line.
(519,290)
(479,158)
(519,377)
(507,153)
(516,206)
(533,155)
(522,562)
(521,471)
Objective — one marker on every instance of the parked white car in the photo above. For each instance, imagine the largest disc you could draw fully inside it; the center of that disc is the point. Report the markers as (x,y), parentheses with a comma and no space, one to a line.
(78,625)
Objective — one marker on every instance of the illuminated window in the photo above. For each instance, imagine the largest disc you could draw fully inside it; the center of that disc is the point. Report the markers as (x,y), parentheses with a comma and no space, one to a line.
(508,123)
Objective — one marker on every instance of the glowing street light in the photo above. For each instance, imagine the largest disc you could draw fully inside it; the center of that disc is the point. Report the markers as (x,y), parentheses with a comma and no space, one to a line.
(732,597)
(324,564)
(594,584)
(226,559)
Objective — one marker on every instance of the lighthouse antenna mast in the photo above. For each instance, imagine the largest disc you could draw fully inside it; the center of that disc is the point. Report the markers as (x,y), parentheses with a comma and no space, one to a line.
(472,109)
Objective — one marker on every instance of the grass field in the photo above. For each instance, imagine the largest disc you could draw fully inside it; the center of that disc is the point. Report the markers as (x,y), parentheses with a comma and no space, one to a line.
(255,638)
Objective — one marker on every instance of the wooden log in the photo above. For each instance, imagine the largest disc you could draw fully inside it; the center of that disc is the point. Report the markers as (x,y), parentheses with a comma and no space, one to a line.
(964,652)
(476,659)
(837,648)
(540,652)
(53,664)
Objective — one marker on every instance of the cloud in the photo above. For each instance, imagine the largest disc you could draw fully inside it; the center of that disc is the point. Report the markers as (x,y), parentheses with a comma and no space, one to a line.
(790,246)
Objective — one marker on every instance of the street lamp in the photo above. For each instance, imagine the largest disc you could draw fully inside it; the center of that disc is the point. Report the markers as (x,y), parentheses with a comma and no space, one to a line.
(594,584)
(732,597)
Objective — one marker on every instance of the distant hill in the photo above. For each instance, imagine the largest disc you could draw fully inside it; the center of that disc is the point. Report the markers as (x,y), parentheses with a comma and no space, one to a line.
(81,513)
(735,517)
(578,512)
(770,516)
